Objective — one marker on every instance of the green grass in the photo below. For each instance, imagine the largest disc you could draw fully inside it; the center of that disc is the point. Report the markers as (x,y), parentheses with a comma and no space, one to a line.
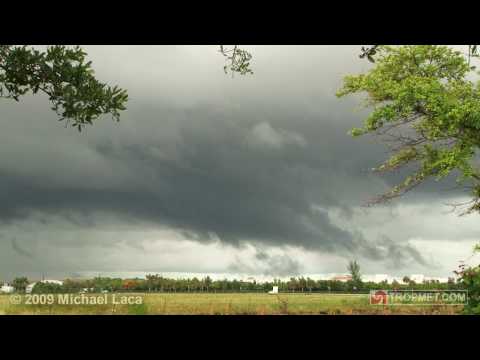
(3,303)
(232,304)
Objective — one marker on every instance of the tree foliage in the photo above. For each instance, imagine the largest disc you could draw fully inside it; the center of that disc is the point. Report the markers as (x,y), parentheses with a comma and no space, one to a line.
(469,278)
(20,284)
(47,288)
(354,270)
(238,60)
(370,52)
(428,111)
(65,75)
(156,283)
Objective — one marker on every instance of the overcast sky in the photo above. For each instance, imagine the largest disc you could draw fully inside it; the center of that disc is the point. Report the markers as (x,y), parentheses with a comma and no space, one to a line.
(209,173)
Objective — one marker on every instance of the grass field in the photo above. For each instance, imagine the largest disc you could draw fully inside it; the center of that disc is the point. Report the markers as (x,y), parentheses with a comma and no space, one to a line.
(231,304)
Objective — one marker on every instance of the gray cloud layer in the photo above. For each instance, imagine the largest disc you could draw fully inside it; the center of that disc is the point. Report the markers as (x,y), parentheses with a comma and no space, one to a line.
(258,160)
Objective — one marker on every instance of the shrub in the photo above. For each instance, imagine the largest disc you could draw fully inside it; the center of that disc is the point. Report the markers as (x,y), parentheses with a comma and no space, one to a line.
(470,280)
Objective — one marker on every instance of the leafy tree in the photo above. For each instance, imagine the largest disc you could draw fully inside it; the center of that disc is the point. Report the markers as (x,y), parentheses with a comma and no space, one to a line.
(48,288)
(65,75)
(207,281)
(429,112)
(354,270)
(293,284)
(395,284)
(20,284)
(469,279)
(310,283)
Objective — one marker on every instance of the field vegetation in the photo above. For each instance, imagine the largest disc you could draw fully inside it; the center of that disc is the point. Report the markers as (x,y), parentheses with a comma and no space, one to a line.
(230,304)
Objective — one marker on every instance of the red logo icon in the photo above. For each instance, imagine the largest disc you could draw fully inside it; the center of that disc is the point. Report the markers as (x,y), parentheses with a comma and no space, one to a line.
(378,297)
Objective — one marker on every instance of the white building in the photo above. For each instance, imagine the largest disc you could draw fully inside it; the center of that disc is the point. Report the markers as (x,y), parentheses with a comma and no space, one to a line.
(7,289)
(342,278)
(274,290)
(57,282)
(30,287)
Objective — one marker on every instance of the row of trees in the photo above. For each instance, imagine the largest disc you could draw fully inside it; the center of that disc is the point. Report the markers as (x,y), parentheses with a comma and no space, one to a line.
(156,283)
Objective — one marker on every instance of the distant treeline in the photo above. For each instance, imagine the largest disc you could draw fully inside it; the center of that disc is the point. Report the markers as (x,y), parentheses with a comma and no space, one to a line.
(155,283)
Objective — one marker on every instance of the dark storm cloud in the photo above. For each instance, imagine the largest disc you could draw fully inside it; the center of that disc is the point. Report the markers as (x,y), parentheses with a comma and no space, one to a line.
(400,255)
(19,250)
(218,175)
(269,265)
(255,163)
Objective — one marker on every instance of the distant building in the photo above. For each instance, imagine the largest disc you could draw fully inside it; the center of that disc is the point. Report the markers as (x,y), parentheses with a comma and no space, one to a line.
(7,289)
(342,278)
(57,282)
(274,290)
(30,287)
